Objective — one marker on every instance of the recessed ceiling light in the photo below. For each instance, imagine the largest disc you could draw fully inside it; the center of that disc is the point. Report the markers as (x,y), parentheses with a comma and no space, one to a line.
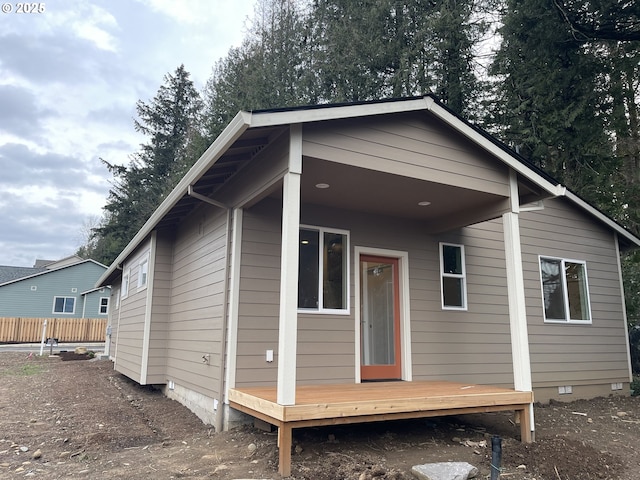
(424,204)
(322,185)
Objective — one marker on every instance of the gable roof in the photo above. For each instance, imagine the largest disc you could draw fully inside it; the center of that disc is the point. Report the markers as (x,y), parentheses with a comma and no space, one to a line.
(8,273)
(249,132)
(36,272)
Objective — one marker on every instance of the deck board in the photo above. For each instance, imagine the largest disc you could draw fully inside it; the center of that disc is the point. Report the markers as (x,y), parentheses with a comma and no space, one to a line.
(330,404)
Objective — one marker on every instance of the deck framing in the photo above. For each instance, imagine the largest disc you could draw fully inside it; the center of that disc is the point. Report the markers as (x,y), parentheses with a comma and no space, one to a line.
(339,404)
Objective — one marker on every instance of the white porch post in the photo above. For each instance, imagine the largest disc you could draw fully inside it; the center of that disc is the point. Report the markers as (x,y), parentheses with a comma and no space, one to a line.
(288,325)
(515,290)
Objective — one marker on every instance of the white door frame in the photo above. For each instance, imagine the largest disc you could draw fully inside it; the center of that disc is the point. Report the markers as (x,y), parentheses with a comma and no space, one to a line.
(405,317)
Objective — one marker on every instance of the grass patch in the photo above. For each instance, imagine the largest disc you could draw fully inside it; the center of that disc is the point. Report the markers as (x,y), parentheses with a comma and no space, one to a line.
(26,370)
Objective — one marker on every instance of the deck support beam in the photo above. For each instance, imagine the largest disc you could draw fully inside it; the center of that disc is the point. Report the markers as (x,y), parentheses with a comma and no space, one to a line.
(288,324)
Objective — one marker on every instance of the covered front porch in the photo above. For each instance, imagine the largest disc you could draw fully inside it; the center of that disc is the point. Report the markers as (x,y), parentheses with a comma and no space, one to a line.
(338,404)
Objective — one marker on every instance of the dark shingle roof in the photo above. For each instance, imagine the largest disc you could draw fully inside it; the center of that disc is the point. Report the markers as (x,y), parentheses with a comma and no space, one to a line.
(8,274)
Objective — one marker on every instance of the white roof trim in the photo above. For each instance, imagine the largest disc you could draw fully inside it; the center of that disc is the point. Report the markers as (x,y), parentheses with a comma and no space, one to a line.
(245,120)
(602,217)
(51,271)
(230,134)
(492,148)
(95,289)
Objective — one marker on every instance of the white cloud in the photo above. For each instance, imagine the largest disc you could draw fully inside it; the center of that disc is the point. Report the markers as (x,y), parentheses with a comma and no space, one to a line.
(69,82)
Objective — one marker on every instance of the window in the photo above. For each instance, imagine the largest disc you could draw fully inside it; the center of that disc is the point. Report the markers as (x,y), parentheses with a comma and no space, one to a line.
(323,274)
(125,285)
(143,272)
(565,290)
(453,277)
(64,305)
(104,305)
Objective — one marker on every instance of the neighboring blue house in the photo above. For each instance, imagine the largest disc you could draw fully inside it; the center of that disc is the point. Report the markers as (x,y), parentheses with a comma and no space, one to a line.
(56,289)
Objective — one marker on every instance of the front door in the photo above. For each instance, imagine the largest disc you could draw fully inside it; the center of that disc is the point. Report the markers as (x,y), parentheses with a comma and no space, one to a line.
(380,318)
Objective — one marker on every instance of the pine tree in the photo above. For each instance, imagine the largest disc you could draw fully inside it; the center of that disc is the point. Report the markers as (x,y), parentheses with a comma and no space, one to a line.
(172,123)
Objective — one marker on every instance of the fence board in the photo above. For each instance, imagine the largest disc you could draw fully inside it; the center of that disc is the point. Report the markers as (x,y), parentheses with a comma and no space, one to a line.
(29,330)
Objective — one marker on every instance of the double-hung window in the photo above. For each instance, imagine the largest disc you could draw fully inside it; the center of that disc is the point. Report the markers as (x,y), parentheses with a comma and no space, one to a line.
(565,290)
(64,305)
(104,305)
(143,273)
(453,282)
(323,276)
(124,293)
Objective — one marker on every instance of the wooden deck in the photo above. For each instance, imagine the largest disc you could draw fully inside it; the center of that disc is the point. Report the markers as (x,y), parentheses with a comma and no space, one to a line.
(338,404)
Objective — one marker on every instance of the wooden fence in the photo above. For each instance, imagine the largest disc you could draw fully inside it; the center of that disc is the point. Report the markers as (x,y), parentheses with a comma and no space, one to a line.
(29,330)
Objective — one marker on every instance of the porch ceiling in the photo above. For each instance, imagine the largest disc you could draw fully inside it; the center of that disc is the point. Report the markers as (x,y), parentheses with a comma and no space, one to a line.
(382,193)
(354,188)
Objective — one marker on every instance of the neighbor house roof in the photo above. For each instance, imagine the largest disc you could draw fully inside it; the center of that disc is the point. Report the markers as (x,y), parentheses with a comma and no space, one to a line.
(8,273)
(237,139)
(35,272)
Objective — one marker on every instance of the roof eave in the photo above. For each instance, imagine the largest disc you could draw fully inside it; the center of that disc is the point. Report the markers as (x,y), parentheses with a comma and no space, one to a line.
(554,189)
(229,135)
(616,227)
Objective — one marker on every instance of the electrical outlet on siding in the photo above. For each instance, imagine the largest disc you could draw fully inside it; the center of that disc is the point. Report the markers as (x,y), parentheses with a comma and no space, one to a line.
(565,389)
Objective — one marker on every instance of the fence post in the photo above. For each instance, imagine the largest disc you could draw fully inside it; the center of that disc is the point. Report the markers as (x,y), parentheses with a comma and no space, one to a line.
(44,332)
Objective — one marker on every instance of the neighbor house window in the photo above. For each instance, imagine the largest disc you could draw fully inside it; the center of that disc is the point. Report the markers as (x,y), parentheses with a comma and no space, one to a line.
(143,272)
(104,305)
(64,305)
(453,277)
(125,285)
(323,276)
(565,290)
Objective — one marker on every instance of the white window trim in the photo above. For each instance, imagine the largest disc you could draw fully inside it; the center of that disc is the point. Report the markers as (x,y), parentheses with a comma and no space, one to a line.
(100,306)
(330,311)
(126,285)
(116,296)
(567,319)
(462,276)
(143,261)
(53,310)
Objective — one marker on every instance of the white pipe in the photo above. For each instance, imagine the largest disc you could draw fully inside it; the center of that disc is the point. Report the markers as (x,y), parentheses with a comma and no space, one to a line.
(44,332)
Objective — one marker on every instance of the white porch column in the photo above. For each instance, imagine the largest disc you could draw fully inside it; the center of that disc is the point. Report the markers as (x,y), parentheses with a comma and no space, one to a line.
(517,308)
(288,325)
(517,301)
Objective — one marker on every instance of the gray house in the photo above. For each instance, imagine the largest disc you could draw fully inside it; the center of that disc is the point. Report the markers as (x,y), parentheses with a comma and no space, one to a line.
(313,254)
(54,289)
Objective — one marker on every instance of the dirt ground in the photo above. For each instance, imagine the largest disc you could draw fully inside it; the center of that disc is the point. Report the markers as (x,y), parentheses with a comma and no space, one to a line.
(81,419)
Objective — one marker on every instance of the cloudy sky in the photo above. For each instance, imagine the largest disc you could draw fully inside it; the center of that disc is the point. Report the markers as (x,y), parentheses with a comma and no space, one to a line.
(69,81)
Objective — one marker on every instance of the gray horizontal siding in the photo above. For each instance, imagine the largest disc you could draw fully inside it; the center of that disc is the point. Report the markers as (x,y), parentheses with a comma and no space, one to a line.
(197,301)
(574,354)
(412,145)
(326,343)
(17,299)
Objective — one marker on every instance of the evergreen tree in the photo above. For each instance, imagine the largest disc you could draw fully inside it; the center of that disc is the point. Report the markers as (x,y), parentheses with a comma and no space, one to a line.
(551,98)
(268,70)
(172,122)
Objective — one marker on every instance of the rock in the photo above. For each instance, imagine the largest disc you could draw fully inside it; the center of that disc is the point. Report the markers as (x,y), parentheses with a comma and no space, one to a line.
(5,465)
(220,468)
(444,471)
(80,350)
(37,454)
(622,414)
(64,454)
(18,470)
(298,449)
(252,447)
(24,449)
